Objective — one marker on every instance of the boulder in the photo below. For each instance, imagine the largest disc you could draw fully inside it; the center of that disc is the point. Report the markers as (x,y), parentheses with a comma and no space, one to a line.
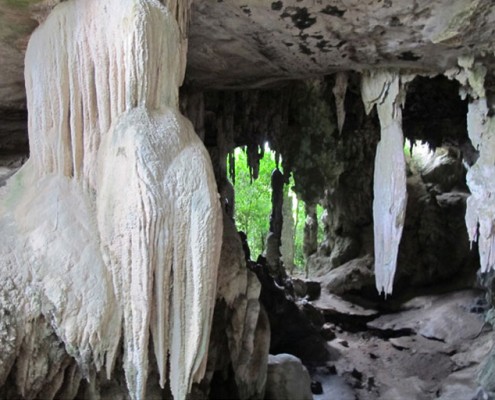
(287,379)
(352,276)
(306,288)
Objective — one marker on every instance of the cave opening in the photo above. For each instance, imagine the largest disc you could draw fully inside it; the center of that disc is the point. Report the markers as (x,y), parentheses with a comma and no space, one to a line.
(330,315)
(253,208)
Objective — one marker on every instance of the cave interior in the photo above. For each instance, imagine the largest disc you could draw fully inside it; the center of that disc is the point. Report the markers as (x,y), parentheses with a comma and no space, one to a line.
(382,114)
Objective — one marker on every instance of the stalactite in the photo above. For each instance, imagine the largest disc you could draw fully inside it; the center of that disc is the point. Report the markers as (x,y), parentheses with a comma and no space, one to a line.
(276,221)
(480,207)
(310,244)
(114,223)
(232,167)
(253,161)
(181,11)
(384,89)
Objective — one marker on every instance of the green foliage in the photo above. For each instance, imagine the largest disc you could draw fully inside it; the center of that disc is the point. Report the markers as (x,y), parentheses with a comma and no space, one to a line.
(253,200)
(253,206)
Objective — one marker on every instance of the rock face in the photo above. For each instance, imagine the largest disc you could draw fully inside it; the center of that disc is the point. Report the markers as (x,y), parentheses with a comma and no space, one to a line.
(241,331)
(113,225)
(288,38)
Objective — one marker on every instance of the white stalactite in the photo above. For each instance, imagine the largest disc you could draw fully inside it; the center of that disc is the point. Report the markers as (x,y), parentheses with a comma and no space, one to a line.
(114,223)
(480,206)
(383,89)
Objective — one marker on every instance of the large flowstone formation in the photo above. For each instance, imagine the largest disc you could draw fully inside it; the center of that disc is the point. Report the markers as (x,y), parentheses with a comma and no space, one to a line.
(113,227)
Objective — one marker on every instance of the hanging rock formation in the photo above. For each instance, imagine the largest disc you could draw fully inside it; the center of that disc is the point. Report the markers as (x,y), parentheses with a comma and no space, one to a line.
(113,225)
(481,129)
(389,184)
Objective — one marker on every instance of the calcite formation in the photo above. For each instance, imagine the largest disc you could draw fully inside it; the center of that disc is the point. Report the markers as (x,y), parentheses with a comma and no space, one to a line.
(384,89)
(480,207)
(113,227)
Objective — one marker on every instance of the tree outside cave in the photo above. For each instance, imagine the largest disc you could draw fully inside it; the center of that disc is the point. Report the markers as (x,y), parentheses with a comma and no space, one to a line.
(253,205)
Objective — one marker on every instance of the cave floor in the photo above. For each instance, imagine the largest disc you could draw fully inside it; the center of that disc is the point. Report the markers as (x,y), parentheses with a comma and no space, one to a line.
(430,349)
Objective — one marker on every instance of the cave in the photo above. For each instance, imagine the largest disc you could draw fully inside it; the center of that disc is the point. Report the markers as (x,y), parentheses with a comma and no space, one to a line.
(125,270)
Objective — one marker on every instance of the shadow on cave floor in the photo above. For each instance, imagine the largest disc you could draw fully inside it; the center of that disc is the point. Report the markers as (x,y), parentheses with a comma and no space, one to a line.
(431,347)
(420,344)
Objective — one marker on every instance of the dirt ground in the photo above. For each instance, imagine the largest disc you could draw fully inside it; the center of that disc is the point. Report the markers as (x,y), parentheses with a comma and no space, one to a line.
(431,349)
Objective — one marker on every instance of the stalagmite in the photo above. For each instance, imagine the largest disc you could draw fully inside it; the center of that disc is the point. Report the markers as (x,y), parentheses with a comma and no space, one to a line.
(480,206)
(113,226)
(274,238)
(288,232)
(310,241)
(389,184)
(339,91)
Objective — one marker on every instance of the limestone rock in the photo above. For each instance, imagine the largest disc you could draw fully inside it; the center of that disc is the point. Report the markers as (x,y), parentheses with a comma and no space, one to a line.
(305,38)
(287,379)
(434,244)
(443,318)
(384,89)
(344,248)
(113,225)
(241,331)
(295,326)
(352,276)
(443,168)
(306,288)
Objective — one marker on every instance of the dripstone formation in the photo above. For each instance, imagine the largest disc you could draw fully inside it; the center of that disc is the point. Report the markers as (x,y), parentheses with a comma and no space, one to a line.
(122,273)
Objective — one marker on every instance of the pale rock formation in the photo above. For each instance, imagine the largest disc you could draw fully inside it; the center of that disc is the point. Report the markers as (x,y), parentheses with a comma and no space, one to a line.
(480,207)
(287,238)
(310,241)
(389,184)
(113,227)
(245,323)
(287,379)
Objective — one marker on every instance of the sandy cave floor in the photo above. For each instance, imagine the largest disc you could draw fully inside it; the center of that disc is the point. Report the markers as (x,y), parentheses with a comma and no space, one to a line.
(431,349)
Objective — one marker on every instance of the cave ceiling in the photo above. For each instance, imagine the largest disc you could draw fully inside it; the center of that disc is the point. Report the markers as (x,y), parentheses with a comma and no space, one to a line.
(258,43)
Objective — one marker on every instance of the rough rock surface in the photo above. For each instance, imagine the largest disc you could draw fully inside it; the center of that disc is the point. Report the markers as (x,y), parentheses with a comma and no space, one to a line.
(295,326)
(351,276)
(287,379)
(240,339)
(397,359)
(289,39)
